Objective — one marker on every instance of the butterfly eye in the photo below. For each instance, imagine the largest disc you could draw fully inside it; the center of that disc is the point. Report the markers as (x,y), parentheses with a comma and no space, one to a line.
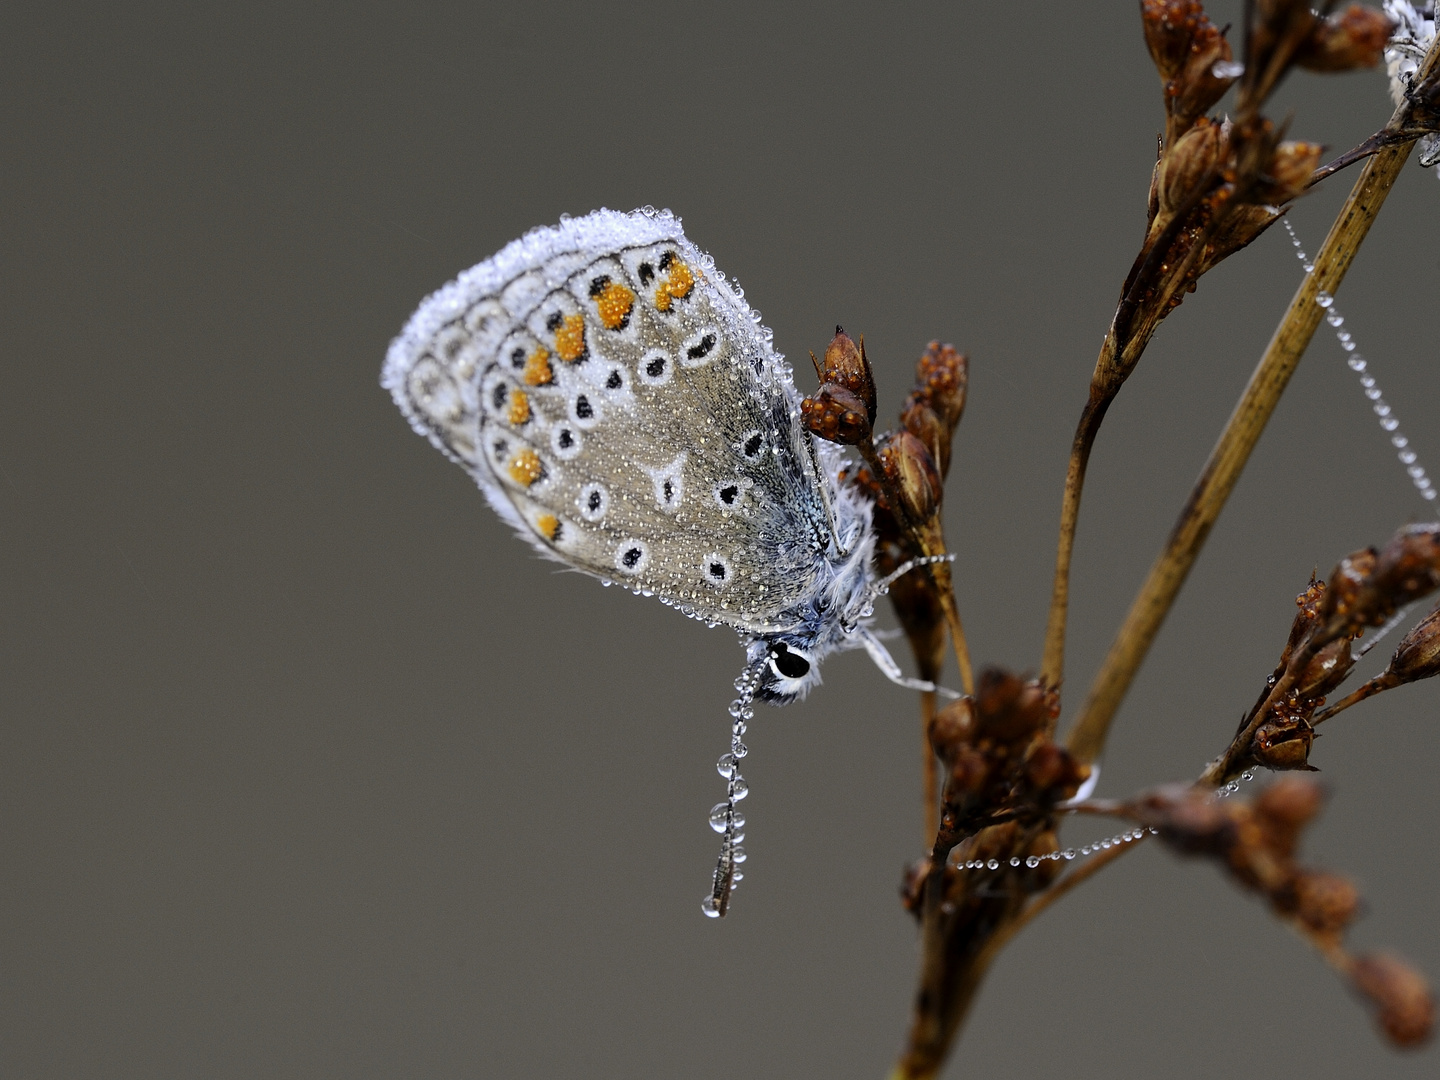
(789,663)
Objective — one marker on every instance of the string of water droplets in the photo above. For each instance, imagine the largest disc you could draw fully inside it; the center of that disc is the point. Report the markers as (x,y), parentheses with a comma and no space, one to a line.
(1094,848)
(724,817)
(1361,367)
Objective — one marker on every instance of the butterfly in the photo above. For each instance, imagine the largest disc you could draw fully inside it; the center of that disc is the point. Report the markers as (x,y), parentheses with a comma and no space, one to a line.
(624,411)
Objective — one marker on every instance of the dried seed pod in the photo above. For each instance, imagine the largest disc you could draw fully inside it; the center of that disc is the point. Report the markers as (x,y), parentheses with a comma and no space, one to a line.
(1186,47)
(1418,655)
(1408,567)
(1284,809)
(1287,174)
(911,471)
(1405,1008)
(921,420)
(952,727)
(941,378)
(1327,669)
(836,415)
(1284,743)
(1325,903)
(1192,165)
(1346,589)
(1010,709)
(1054,773)
(1354,38)
(846,365)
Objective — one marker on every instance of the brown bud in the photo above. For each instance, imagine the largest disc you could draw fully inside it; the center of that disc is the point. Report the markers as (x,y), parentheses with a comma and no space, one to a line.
(1353,38)
(1284,743)
(969,773)
(1185,46)
(1054,773)
(920,420)
(941,377)
(1324,903)
(1010,709)
(836,415)
(1409,566)
(912,473)
(1327,669)
(1288,173)
(1191,166)
(1345,591)
(952,727)
(1285,808)
(846,365)
(1406,1011)
(1418,656)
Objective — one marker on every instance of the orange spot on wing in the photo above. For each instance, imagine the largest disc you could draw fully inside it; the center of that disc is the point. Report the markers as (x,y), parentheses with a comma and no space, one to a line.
(614,304)
(537,369)
(519,408)
(549,526)
(676,286)
(525,468)
(570,339)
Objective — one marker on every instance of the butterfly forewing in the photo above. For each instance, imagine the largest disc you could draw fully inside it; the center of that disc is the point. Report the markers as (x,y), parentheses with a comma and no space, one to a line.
(621,406)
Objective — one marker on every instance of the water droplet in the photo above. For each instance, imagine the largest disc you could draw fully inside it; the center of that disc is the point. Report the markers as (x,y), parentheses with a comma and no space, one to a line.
(1085,850)
(1107,844)
(1248,775)
(1324,299)
(739,819)
(738,855)
(717,816)
(735,878)
(1357,363)
(1227,69)
(1014,860)
(1032,862)
(1334,318)
(726,765)
(993,864)
(1407,456)
(1399,442)
(736,837)
(739,789)
(739,749)
(1068,853)
(1308,267)
(710,907)
(1389,423)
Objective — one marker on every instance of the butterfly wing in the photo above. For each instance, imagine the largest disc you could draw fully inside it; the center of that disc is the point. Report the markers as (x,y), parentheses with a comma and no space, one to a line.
(621,407)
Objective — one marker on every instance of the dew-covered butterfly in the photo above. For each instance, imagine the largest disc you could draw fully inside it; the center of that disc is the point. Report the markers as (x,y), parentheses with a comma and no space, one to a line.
(623,409)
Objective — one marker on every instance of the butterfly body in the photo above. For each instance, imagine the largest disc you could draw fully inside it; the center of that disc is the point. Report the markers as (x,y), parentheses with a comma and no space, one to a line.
(622,409)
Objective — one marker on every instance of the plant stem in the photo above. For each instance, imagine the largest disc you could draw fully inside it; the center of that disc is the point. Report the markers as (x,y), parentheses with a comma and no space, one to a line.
(1221,472)
(1052,666)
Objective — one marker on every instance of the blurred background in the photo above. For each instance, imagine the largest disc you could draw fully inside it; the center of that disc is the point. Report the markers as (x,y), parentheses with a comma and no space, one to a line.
(309,769)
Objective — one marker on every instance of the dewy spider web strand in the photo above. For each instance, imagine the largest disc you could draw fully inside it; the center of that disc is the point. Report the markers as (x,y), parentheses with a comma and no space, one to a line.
(1361,367)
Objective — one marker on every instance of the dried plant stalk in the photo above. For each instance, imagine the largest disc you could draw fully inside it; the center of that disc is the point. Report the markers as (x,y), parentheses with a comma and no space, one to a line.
(1222,470)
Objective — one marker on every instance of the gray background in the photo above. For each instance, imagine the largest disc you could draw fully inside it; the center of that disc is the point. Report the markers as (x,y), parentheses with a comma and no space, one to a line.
(311,770)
